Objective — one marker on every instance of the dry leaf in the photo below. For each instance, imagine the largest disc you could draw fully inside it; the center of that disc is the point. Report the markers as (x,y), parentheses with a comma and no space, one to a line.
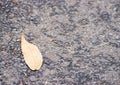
(31,54)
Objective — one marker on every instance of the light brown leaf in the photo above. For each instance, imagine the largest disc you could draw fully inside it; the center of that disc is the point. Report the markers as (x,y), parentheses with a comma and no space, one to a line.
(31,54)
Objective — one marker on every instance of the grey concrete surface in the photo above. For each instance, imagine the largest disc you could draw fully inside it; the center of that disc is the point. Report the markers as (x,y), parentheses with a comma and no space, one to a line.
(79,41)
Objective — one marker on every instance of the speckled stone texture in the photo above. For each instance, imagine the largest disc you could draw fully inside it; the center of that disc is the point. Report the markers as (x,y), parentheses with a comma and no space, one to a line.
(79,41)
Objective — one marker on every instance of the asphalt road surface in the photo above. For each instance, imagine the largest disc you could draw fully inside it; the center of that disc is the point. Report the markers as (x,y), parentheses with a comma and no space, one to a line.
(79,41)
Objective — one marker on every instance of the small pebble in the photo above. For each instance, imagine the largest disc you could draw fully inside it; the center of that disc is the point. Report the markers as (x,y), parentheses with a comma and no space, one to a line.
(32,78)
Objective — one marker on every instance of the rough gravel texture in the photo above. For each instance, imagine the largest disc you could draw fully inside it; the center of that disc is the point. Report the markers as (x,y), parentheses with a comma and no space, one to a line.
(79,41)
